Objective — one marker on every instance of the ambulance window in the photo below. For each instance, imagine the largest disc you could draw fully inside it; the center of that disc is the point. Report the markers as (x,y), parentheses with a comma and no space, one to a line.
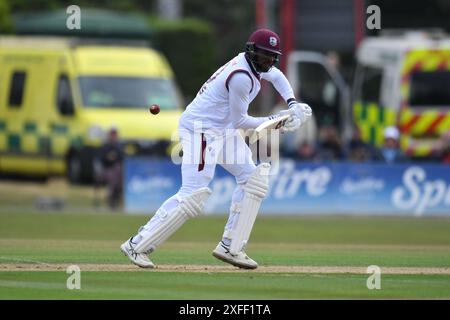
(430,89)
(64,96)
(17,88)
(318,89)
(371,84)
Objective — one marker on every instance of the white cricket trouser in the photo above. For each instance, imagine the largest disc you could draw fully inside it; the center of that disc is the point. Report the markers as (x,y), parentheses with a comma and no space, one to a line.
(201,153)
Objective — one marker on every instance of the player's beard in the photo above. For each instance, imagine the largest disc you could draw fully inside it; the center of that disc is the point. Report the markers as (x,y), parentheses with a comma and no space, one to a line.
(262,63)
(264,67)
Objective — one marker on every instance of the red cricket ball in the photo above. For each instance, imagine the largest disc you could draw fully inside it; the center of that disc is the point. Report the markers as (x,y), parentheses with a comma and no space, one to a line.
(154,109)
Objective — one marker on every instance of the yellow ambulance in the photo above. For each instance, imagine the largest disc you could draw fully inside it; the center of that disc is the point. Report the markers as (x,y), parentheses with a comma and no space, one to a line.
(59,97)
(403,80)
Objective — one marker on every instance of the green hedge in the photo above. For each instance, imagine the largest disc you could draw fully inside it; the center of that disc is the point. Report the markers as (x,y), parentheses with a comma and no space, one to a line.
(6,25)
(190,47)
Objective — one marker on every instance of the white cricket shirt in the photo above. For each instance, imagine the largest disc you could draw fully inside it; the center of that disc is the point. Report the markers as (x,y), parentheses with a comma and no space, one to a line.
(222,102)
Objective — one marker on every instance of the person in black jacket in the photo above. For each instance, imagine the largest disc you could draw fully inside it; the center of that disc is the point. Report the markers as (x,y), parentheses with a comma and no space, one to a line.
(390,152)
(111,159)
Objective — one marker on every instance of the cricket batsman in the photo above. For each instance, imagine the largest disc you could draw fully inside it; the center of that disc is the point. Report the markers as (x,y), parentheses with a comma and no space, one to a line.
(220,107)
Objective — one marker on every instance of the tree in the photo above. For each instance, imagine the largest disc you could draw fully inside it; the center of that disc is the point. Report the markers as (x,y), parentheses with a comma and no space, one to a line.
(233,21)
(5,18)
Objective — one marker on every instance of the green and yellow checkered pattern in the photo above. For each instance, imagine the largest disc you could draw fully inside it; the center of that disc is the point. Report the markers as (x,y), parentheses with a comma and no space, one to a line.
(371,119)
(32,138)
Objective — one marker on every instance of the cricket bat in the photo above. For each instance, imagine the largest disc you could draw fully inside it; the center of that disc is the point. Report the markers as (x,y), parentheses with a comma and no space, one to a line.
(275,124)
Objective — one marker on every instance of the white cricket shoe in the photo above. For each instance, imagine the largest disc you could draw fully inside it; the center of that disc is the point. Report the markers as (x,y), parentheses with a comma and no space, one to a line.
(139,259)
(240,260)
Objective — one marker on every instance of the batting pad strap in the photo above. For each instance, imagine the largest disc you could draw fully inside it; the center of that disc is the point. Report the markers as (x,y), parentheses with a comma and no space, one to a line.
(258,183)
(190,207)
(163,231)
(257,187)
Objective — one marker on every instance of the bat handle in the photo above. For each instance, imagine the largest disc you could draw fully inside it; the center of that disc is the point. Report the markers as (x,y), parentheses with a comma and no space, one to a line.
(291,112)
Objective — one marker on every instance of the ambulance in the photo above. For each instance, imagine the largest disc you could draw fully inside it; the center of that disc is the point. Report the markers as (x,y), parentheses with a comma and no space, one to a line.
(60,96)
(404,81)
(401,79)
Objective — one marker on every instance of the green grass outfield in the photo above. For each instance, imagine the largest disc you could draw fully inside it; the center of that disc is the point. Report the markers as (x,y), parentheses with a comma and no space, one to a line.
(300,258)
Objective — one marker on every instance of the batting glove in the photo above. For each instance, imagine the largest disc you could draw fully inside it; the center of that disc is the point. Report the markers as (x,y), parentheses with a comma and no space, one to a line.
(292,124)
(301,111)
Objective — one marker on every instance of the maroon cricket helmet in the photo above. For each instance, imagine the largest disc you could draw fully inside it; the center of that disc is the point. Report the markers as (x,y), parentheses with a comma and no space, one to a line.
(265,39)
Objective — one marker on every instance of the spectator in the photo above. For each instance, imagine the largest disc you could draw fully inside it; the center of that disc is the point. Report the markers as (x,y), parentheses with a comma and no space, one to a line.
(334,60)
(330,145)
(357,150)
(330,90)
(390,152)
(306,151)
(111,159)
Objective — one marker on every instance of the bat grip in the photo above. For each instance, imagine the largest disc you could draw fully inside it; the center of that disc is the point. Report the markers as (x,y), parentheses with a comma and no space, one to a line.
(291,112)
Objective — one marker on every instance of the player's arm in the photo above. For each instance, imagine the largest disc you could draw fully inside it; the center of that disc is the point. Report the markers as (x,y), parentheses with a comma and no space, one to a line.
(239,88)
(280,82)
(301,110)
(282,85)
